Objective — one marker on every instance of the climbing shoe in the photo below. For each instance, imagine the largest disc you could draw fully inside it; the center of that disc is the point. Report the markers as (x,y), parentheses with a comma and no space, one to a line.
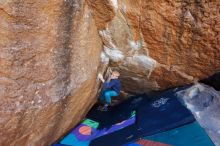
(104,108)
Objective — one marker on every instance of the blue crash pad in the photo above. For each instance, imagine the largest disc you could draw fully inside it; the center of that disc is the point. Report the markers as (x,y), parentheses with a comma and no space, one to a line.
(154,115)
(188,135)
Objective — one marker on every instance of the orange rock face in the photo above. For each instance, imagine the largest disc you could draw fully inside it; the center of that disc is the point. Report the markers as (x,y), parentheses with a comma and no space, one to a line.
(161,44)
(50,52)
(184,37)
(50,55)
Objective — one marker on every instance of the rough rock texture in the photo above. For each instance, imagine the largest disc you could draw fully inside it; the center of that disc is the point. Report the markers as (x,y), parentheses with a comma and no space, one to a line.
(50,52)
(50,55)
(204,103)
(159,44)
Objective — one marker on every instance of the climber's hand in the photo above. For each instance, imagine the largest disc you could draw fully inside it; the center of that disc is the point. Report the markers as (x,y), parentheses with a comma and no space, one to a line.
(101,77)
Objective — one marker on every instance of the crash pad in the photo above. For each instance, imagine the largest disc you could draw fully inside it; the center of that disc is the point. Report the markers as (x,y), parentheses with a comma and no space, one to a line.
(139,116)
(86,131)
(156,114)
(143,142)
(188,135)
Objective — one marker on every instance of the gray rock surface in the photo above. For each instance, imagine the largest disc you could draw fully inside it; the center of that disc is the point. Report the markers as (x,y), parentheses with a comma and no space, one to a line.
(204,102)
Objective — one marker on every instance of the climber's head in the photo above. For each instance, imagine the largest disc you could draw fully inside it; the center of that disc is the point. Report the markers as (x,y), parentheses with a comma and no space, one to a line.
(115,74)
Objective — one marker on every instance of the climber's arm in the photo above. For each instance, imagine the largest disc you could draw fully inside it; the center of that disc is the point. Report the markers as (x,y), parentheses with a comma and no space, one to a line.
(108,85)
(101,78)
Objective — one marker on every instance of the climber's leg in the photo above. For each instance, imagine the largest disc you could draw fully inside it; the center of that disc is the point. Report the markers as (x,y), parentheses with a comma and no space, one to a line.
(102,95)
(109,94)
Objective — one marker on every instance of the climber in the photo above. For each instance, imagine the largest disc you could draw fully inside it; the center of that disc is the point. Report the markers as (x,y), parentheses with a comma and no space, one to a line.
(110,88)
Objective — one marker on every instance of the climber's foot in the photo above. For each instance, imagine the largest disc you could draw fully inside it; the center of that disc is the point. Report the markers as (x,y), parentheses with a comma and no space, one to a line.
(103,108)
